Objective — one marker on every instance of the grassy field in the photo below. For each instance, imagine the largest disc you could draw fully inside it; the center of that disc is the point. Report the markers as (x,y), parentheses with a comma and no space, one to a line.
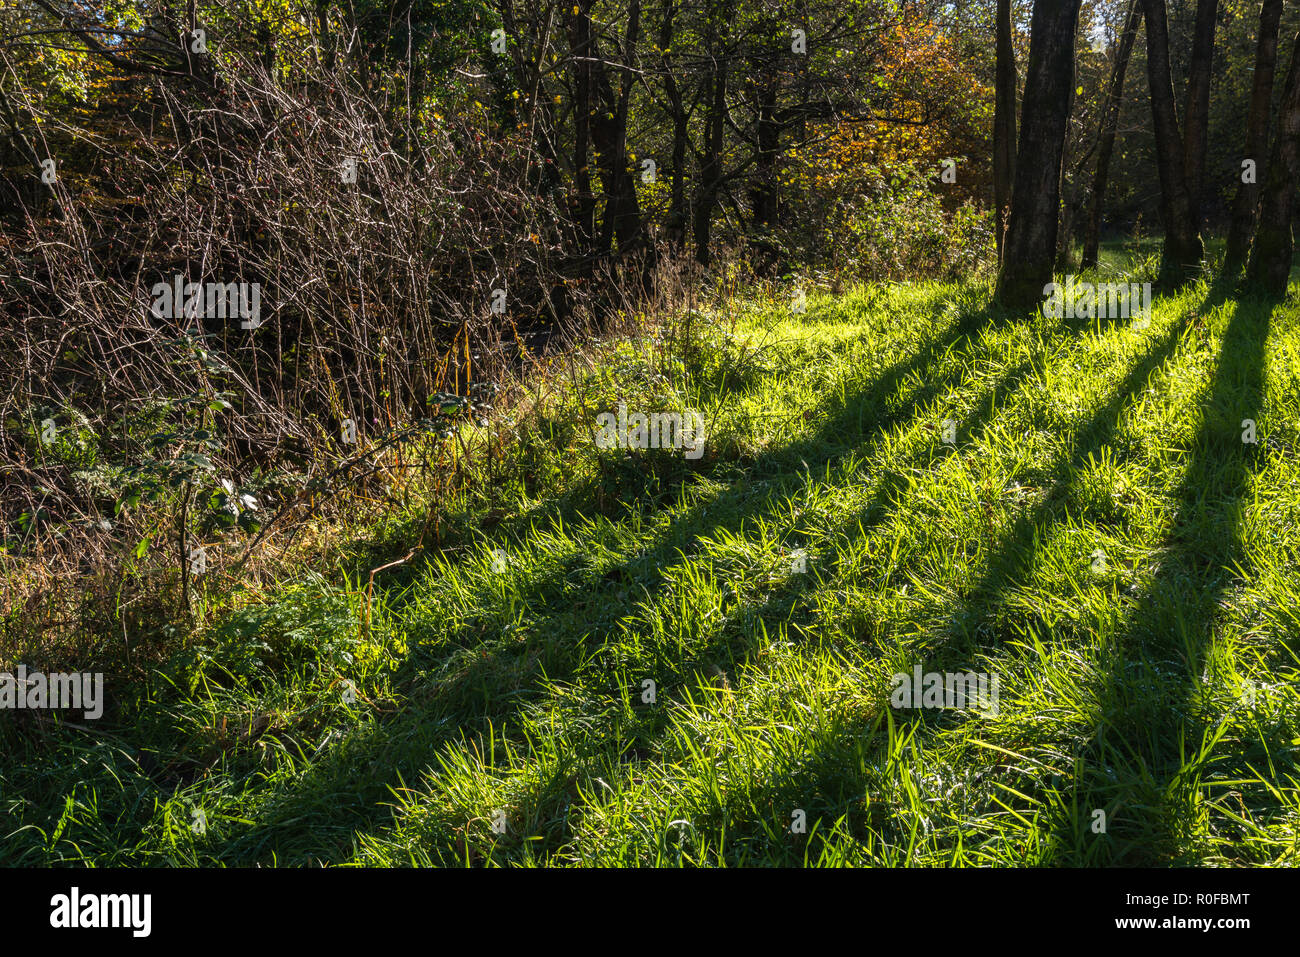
(1096,534)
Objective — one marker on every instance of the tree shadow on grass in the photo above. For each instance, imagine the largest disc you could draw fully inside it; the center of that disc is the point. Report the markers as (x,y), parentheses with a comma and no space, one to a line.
(1155,708)
(1150,697)
(1153,703)
(837,779)
(735,641)
(1015,550)
(480,678)
(490,675)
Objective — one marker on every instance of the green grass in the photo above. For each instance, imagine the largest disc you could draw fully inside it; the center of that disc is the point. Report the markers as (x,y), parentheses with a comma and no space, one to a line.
(486,692)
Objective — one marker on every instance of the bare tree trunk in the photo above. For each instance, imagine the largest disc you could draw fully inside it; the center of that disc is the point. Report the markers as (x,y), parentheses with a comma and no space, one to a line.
(585,201)
(1181,256)
(1071,206)
(31,193)
(1270,257)
(622,224)
(1030,244)
(1004,124)
(676,220)
(323,26)
(706,198)
(767,144)
(1246,204)
(1109,126)
(765,196)
(1196,114)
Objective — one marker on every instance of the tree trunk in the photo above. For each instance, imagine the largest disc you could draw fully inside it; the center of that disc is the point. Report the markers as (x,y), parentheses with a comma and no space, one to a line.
(1181,255)
(28,192)
(677,214)
(1270,257)
(675,224)
(1030,243)
(1246,204)
(1109,126)
(1196,114)
(767,143)
(323,26)
(711,167)
(585,200)
(764,197)
(1071,207)
(622,225)
(1004,124)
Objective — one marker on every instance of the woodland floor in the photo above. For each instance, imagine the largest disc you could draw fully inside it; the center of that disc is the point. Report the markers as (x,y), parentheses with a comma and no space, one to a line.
(1099,536)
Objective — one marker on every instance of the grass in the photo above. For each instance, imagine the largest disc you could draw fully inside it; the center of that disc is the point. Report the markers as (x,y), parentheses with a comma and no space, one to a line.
(1098,536)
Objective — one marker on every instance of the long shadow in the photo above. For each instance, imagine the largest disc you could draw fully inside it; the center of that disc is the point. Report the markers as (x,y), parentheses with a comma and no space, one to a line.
(1016,549)
(450,704)
(1147,723)
(1142,725)
(460,689)
(1153,709)
(830,784)
(781,605)
(475,692)
(1143,722)
(456,703)
(737,638)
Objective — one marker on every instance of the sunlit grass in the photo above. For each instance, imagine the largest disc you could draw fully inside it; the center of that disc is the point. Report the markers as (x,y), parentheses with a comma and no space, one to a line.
(1098,535)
